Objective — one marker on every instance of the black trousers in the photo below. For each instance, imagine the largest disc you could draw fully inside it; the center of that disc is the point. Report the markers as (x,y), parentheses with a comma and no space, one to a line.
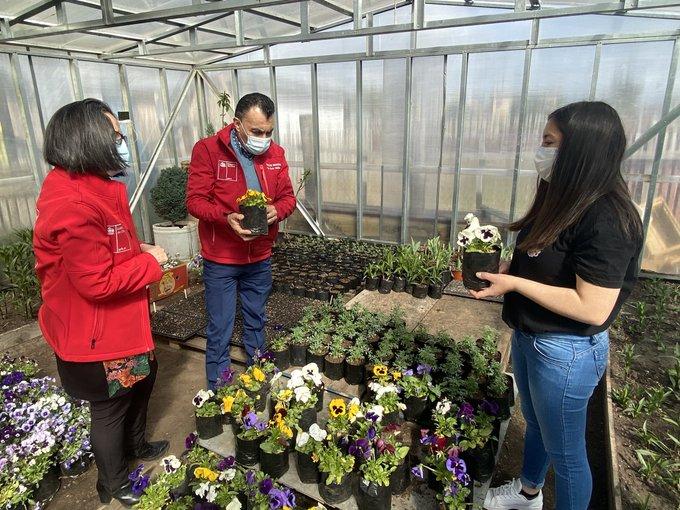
(118,426)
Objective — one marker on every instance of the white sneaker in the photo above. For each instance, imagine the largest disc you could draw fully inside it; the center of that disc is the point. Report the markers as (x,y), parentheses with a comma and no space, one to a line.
(507,497)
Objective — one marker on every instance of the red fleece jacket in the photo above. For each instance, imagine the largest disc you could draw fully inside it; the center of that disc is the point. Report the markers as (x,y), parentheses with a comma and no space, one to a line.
(91,268)
(216,180)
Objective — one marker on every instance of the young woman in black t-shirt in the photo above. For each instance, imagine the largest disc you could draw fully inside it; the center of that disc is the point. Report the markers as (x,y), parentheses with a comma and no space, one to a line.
(574,264)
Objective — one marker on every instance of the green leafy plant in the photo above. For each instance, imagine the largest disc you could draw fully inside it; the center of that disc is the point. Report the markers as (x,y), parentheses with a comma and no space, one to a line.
(18,266)
(205,405)
(168,195)
(335,463)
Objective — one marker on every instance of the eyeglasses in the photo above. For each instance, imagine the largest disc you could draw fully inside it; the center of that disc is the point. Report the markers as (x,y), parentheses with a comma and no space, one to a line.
(120,137)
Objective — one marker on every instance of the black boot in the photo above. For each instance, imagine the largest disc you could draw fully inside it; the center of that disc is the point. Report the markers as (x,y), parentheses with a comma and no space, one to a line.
(124,495)
(150,450)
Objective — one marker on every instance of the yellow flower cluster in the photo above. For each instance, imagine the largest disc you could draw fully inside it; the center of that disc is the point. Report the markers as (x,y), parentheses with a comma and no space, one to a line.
(253,198)
(205,473)
(227,403)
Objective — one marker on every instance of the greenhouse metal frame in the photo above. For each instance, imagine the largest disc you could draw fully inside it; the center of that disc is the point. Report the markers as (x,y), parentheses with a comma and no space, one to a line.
(408,114)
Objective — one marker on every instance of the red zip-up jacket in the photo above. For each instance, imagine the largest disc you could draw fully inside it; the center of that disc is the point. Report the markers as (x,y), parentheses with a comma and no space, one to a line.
(92,271)
(216,180)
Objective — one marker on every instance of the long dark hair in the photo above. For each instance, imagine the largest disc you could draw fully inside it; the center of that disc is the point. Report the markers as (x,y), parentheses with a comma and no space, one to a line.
(587,167)
(80,139)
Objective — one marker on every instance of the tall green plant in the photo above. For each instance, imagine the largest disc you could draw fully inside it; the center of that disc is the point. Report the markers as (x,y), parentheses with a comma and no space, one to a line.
(18,264)
(168,196)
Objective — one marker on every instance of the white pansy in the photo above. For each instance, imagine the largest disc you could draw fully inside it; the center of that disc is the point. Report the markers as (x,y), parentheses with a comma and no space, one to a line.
(202,489)
(317,432)
(234,505)
(171,464)
(374,386)
(302,394)
(472,221)
(378,410)
(302,439)
(296,379)
(401,405)
(390,388)
(311,373)
(275,378)
(443,406)
(227,475)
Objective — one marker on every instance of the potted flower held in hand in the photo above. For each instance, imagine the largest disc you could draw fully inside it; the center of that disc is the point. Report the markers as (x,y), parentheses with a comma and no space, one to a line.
(482,246)
(253,206)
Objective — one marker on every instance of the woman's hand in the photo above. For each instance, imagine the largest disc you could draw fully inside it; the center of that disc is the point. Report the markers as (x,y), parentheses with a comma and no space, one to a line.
(157,252)
(500,284)
(234,221)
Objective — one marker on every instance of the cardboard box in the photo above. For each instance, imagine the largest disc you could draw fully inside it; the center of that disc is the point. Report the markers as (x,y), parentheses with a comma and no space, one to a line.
(173,280)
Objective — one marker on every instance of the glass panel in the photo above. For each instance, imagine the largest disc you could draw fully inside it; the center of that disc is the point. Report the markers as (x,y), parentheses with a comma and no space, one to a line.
(223,81)
(76,13)
(251,56)
(254,80)
(383,110)
(257,27)
(53,78)
(337,147)
(33,106)
(427,100)
(491,123)
(597,25)
(319,48)
(449,147)
(296,135)
(492,33)
(101,81)
(399,41)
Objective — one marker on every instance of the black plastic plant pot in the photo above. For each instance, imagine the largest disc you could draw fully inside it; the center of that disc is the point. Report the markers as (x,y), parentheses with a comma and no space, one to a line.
(319,392)
(282,358)
(399,284)
(354,374)
(335,493)
(415,408)
(316,358)
(419,291)
(334,370)
(307,469)
(391,418)
(208,427)
(274,464)
(435,290)
(298,355)
(385,285)
(474,262)
(255,219)
(372,496)
(446,277)
(308,418)
(372,283)
(260,397)
(247,451)
(400,478)
(480,462)
(47,487)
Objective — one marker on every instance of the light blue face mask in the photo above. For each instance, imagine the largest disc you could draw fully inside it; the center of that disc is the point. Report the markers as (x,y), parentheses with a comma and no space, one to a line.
(124,152)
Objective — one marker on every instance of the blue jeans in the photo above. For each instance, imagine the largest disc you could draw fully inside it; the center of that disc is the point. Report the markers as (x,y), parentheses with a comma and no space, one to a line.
(253,282)
(556,374)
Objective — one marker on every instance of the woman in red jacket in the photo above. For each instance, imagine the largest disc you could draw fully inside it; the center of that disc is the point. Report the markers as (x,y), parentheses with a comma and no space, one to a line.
(94,272)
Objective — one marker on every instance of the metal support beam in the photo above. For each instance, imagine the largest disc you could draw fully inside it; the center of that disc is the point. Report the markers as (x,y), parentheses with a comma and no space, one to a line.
(360,150)
(35,8)
(137,195)
(315,131)
(76,82)
(20,90)
(440,163)
(165,100)
(657,128)
(304,18)
(107,12)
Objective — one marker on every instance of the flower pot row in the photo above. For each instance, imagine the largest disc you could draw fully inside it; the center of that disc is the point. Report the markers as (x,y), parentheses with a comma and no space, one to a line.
(400,284)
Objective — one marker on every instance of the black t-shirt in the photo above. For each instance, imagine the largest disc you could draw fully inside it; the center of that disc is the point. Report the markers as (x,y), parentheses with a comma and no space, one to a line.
(595,249)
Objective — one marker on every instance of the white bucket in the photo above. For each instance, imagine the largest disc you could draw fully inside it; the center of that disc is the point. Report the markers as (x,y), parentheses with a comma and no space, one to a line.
(179,241)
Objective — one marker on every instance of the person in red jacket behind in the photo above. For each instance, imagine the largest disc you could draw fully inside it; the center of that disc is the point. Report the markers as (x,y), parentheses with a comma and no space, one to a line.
(94,272)
(223,167)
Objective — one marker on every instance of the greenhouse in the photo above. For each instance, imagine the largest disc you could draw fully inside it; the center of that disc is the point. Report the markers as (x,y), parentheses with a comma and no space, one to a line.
(400,144)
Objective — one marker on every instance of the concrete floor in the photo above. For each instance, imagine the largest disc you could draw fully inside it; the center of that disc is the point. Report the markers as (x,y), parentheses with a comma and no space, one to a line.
(181,375)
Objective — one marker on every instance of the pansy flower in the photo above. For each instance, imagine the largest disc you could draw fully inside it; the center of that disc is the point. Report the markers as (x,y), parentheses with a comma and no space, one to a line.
(337,407)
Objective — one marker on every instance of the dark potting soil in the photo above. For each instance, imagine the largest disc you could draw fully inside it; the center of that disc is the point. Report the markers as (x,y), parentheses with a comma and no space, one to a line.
(177,326)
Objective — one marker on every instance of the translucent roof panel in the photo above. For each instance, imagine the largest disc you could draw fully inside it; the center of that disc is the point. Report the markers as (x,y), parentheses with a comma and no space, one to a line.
(602,25)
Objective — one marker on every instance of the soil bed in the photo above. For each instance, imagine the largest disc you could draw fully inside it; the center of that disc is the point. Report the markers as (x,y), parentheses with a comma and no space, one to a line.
(643,355)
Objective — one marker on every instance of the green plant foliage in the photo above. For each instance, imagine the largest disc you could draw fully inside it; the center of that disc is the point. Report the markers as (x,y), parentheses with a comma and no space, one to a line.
(168,196)
(18,266)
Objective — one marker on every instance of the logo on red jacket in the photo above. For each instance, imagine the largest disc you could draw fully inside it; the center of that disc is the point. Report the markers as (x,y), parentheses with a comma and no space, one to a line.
(227,171)
(273,166)
(120,239)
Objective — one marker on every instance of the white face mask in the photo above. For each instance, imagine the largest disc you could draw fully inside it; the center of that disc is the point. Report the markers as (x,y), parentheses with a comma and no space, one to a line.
(544,161)
(257,145)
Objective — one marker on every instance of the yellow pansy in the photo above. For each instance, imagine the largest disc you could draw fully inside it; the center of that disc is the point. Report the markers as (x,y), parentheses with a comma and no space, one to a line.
(286,430)
(353,411)
(258,374)
(315,457)
(396,375)
(240,393)
(205,473)
(337,407)
(380,370)
(285,396)
(227,403)
(245,379)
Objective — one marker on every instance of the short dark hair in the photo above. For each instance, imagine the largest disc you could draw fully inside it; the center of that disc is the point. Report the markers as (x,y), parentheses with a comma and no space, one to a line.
(80,139)
(587,167)
(254,100)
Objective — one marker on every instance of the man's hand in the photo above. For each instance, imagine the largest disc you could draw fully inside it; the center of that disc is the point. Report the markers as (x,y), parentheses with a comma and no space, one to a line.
(272,215)
(234,221)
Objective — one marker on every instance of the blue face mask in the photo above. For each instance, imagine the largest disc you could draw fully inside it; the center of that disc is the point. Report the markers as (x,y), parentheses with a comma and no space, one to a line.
(124,152)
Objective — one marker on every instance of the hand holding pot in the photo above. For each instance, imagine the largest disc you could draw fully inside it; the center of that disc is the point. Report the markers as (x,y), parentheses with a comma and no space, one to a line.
(499,284)
(234,221)
(272,214)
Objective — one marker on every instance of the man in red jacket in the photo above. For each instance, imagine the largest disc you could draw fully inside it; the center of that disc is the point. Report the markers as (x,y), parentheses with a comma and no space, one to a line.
(223,167)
